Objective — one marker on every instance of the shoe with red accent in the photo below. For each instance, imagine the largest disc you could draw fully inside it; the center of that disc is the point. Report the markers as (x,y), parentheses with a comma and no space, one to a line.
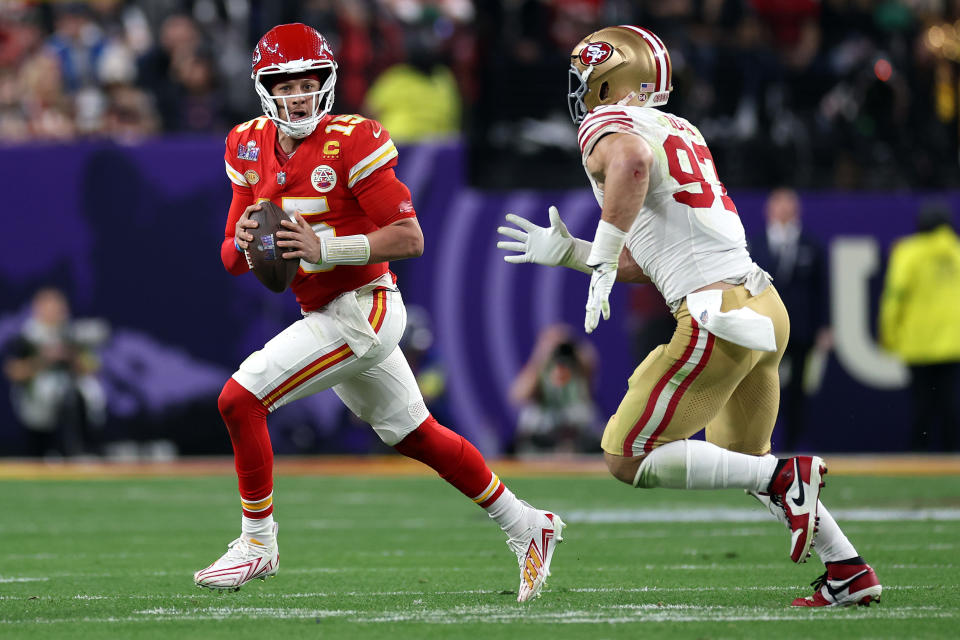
(534,549)
(246,558)
(796,490)
(843,585)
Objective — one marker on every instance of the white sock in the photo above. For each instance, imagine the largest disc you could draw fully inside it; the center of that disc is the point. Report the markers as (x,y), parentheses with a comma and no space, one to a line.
(693,464)
(831,544)
(508,511)
(259,528)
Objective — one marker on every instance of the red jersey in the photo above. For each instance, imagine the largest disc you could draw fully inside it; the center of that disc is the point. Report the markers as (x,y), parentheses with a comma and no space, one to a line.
(326,179)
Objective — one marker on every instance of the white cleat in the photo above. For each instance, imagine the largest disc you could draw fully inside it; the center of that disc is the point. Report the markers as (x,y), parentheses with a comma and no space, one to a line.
(534,549)
(246,558)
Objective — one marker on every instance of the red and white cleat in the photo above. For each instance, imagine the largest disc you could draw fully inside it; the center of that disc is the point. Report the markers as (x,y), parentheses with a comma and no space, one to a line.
(843,585)
(796,490)
(246,558)
(534,549)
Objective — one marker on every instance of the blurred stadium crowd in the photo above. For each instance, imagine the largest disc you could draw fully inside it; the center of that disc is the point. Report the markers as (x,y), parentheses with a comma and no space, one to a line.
(817,93)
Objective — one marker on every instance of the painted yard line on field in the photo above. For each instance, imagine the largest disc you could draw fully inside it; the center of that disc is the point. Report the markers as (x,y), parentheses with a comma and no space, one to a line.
(604,614)
(15,579)
(402,553)
(719,517)
(864,464)
(735,566)
(266,595)
(259,595)
(615,516)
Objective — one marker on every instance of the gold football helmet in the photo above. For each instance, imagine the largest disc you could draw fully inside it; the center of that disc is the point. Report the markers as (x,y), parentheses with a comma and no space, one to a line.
(613,60)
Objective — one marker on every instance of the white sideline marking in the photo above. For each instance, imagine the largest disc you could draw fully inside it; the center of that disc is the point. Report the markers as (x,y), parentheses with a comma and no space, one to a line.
(464,592)
(739,566)
(21,579)
(609,516)
(500,614)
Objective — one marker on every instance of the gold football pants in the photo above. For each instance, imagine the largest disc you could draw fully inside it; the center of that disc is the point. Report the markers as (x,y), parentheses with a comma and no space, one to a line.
(701,381)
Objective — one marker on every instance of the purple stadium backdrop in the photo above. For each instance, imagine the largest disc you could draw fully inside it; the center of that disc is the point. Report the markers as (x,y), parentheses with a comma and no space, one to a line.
(132,234)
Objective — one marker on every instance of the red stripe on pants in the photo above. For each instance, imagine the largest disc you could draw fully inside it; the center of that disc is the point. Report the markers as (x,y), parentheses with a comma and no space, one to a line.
(655,394)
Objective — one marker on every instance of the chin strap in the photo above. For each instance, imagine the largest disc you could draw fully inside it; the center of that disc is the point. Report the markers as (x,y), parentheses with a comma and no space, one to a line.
(299,134)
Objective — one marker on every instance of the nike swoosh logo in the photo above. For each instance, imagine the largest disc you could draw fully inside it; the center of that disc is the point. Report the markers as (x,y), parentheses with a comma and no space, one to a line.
(796,477)
(842,584)
(379,131)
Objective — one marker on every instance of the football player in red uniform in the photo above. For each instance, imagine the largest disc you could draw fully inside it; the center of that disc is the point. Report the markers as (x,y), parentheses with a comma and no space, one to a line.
(349,215)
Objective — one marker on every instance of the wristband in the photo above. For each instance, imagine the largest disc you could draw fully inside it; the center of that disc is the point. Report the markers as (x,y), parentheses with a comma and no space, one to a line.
(236,245)
(607,245)
(345,250)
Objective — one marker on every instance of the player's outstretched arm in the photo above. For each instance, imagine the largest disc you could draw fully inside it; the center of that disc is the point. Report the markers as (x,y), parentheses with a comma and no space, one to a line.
(555,246)
(551,246)
(622,163)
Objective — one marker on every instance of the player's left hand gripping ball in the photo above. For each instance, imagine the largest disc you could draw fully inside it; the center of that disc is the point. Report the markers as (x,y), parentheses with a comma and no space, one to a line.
(598,297)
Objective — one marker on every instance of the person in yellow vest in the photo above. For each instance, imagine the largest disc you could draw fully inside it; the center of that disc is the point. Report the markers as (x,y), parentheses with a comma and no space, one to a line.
(418,100)
(920,323)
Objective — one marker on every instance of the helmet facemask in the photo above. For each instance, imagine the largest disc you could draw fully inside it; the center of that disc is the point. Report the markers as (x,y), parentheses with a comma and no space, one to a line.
(576,89)
(316,104)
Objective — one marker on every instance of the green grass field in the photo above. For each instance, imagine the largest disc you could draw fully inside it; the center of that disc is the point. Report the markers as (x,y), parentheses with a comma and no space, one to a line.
(408,557)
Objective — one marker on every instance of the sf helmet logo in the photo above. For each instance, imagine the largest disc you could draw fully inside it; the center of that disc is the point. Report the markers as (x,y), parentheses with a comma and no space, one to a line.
(596,53)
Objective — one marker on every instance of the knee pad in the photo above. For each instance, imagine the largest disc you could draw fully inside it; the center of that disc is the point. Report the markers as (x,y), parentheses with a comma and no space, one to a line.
(235,399)
(393,428)
(665,466)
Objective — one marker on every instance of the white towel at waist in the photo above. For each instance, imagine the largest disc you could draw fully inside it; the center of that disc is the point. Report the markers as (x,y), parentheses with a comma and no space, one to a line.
(353,323)
(743,326)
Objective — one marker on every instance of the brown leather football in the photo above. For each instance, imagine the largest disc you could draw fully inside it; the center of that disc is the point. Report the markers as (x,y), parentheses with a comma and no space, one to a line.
(264,256)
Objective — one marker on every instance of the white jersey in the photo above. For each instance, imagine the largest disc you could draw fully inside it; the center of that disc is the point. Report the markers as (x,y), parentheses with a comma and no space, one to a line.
(688,233)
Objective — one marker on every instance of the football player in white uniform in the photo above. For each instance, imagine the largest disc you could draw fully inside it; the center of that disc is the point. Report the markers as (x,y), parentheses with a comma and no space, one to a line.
(667,219)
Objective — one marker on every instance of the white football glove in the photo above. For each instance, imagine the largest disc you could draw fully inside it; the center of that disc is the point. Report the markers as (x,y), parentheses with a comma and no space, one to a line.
(598,297)
(603,260)
(551,246)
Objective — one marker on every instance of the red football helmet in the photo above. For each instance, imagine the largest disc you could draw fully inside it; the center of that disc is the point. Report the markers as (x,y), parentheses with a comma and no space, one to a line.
(294,49)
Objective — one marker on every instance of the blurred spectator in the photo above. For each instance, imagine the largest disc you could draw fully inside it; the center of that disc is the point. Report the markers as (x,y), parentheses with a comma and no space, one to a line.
(825,93)
(555,395)
(180,71)
(51,367)
(48,111)
(418,99)
(130,115)
(798,265)
(417,344)
(79,44)
(920,323)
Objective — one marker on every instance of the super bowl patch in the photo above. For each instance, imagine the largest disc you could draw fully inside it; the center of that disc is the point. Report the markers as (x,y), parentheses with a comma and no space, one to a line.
(323,178)
(249,151)
(268,247)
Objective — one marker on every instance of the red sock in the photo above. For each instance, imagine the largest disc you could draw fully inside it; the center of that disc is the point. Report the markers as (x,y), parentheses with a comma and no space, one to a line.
(246,419)
(455,459)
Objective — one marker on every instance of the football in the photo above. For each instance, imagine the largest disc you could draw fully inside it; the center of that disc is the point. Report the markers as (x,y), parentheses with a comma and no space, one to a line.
(264,256)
